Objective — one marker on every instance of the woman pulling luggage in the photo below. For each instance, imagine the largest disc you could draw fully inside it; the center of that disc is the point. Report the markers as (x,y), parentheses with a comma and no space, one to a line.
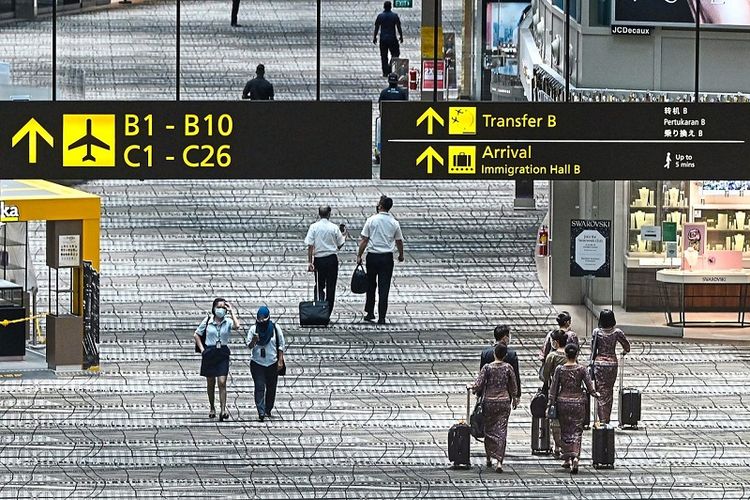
(497,383)
(569,401)
(603,344)
(555,358)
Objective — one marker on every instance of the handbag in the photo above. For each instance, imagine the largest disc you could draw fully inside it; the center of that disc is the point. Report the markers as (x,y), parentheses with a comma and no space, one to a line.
(315,312)
(539,404)
(552,412)
(592,372)
(281,371)
(203,335)
(359,280)
(476,421)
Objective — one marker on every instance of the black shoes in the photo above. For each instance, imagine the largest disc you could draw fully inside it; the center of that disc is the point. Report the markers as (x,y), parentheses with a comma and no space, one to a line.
(261,418)
(381,321)
(224,416)
(369,317)
(235,25)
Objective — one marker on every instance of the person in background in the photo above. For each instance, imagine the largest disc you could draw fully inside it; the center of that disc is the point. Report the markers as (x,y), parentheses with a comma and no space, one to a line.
(563,322)
(393,92)
(502,336)
(266,340)
(554,359)
(324,239)
(566,395)
(497,384)
(604,341)
(235,11)
(388,22)
(217,328)
(381,236)
(258,89)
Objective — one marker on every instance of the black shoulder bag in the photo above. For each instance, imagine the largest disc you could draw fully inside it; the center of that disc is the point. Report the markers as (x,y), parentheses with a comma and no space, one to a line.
(203,335)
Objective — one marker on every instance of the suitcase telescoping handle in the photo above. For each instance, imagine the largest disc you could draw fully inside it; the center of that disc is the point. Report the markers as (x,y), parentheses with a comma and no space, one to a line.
(468,404)
(622,370)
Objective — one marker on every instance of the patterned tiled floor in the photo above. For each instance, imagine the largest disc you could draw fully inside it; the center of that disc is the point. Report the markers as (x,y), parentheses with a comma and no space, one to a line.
(365,410)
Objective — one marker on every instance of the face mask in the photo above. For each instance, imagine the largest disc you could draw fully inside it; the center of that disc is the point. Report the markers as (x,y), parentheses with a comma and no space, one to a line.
(262,324)
(220,312)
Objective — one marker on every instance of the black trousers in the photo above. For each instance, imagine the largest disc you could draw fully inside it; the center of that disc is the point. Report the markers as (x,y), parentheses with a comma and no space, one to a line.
(328,273)
(235,11)
(385,47)
(379,273)
(265,379)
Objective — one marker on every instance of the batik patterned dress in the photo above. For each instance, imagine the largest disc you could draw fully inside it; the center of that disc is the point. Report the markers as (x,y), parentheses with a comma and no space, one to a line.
(497,382)
(566,394)
(605,340)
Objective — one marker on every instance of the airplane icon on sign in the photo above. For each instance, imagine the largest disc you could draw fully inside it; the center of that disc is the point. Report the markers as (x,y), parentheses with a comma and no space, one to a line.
(89,140)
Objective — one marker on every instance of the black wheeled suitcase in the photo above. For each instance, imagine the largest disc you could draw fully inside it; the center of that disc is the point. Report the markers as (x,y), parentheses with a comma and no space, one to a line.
(603,446)
(630,402)
(540,438)
(459,440)
(315,312)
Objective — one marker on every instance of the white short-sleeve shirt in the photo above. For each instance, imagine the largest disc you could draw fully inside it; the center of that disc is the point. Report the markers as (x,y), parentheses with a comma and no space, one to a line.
(325,236)
(382,230)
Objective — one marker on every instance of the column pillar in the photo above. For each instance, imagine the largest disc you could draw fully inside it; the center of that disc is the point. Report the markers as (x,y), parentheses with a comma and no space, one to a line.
(428,34)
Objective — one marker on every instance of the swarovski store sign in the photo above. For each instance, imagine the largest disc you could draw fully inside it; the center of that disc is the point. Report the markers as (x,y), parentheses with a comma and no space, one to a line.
(590,248)
(682,13)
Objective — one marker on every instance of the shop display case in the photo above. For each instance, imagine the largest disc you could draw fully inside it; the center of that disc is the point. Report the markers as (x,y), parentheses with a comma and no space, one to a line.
(11,294)
(649,204)
(13,338)
(725,208)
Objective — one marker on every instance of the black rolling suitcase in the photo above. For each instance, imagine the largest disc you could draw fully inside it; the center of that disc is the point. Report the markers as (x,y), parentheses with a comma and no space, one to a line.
(459,440)
(315,312)
(540,438)
(602,445)
(630,402)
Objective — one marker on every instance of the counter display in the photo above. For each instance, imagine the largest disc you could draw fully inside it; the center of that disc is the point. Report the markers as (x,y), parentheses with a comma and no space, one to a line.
(12,335)
(711,277)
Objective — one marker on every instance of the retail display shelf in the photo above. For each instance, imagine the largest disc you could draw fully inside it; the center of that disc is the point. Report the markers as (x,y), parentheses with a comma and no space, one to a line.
(728,206)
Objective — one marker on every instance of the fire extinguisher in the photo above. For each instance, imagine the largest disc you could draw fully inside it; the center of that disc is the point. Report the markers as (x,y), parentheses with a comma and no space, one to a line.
(543,242)
(413,76)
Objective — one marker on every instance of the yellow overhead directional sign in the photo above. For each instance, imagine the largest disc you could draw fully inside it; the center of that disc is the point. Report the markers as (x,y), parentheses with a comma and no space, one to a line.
(462,120)
(430,154)
(88,141)
(430,115)
(34,130)
(462,160)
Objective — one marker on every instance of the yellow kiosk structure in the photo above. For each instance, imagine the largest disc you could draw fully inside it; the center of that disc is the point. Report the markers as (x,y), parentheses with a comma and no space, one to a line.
(73,224)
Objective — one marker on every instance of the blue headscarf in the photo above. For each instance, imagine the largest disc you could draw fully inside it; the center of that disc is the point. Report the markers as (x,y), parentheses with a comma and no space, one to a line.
(264,329)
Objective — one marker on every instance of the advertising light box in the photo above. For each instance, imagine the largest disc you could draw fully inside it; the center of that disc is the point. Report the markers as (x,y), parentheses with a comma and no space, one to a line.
(682,13)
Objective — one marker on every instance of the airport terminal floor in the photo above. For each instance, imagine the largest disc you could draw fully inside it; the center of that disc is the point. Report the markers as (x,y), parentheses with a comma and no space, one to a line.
(364,409)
